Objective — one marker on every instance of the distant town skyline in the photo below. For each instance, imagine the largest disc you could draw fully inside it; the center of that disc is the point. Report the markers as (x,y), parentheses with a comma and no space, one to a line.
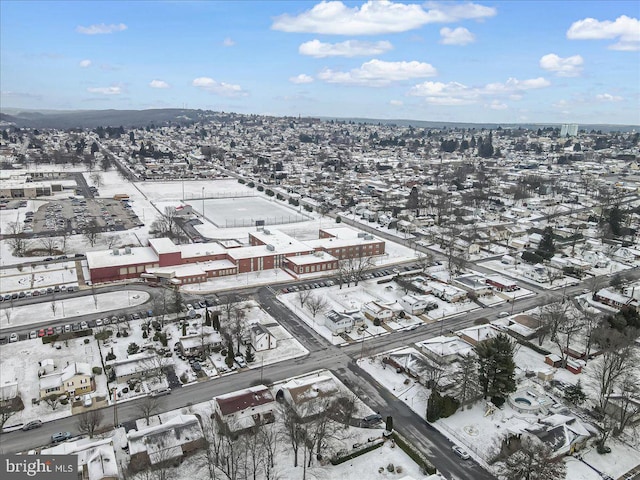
(510,62)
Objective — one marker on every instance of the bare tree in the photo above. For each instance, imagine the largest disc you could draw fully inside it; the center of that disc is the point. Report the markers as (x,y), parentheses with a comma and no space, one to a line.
(550,318)
(553,274)
(317,305)
(534,461)
(49,244)
(571,325)
(8,312)
(92,232)
(148,407)
(154,367)
(54,308)
(303,296)
(424,260)
(609,369)
(6,412)
(627,405)
(15,238)
(89,422)
(112,241)
(268,435)
(53,400)
(96,179)
(292,426)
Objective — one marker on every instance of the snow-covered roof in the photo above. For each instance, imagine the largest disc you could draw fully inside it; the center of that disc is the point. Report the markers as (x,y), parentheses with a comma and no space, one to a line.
(164,441)
(444,346)
(106,258)
(312,258)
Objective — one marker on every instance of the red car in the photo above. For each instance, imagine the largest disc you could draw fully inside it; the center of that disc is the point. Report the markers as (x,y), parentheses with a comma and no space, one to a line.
(50,331)
(41,332)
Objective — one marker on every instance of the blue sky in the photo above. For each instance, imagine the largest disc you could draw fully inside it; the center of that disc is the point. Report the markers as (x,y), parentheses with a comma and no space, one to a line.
(512,61)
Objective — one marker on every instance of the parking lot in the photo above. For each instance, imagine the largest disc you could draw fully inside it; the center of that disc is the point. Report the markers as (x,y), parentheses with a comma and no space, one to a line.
(78,215)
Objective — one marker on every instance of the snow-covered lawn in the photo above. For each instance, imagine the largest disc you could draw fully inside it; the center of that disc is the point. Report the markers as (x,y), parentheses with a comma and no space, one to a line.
(38,276)
(61,307)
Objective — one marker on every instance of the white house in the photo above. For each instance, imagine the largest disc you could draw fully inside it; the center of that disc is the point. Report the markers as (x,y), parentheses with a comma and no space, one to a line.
(597,259)
(338,322)
(414,304)
(261,338)
(448,293)
(377,311)
(444,349)
(96,457)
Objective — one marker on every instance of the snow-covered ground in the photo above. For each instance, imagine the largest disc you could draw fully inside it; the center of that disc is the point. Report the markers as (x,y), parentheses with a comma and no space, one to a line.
(60,308)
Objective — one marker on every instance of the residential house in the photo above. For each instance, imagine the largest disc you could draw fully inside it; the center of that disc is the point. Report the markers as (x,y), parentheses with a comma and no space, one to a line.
(338,322)
(193,345)
(448,293)
(75,379)
(139,365)
(614,299)
(443,349)
(310,396)
(173,439)
(414,304)
(244,409)
(261,338)
(377,311)
(474,284)
(478,333)
(96,457)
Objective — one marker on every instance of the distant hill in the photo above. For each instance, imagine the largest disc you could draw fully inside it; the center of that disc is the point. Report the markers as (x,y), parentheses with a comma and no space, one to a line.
(142,118)
(97,118)
(491,126)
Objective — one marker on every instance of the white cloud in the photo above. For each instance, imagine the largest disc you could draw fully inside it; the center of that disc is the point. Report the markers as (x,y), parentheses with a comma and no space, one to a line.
(454,93)
(228,42)
(376,17)
(562,67)
(625,29)
(607,97)
(158,84)
(302,78)
(85,63)
(456,36)
(105,90)
(497,105)
(378,73)
(100,29)
(219,88)
(350,48)
(396,103)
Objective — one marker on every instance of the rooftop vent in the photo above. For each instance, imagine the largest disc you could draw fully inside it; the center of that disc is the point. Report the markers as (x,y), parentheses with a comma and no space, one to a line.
(361,234)
(267,232)
(116,251)
(271,248)
(127,250)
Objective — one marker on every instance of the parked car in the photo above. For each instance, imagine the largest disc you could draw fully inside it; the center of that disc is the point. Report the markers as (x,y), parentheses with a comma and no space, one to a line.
(372,419)
(32,424)
(160,392)
(50,331)
(60,437)
(196,366)
(33,334)
(84,326)
(240,361)
(461,452)
(13,337)
(99,322)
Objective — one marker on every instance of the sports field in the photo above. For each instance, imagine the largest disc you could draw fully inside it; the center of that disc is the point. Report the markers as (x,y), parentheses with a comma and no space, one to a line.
(245,211)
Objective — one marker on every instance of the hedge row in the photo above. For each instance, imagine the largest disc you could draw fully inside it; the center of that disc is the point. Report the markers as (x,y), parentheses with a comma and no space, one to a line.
(533,346)
(416,456)
(357,453)
(66,336)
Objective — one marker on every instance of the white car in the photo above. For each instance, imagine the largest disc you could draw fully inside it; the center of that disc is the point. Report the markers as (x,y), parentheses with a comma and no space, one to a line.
(13,337)
(84,326)
(33,334)
(461,453)
(99,322)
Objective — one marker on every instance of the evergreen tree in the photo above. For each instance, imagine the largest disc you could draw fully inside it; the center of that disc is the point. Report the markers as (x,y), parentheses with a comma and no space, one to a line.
(575,394)
(229,358)
(248,355)
(412,201)
(546,248)
(616,218)
(496,367)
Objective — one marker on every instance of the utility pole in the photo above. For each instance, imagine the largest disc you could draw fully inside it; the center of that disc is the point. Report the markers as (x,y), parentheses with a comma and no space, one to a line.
(115,407)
